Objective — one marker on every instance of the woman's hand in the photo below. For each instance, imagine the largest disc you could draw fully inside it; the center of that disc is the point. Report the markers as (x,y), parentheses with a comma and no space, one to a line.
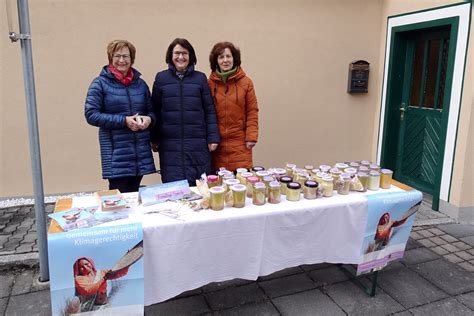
(132,123)
(212,146)
(250,145)
(145,121)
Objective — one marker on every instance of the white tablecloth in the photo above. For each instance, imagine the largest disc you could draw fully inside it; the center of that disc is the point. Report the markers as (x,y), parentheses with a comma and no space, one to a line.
(211,246)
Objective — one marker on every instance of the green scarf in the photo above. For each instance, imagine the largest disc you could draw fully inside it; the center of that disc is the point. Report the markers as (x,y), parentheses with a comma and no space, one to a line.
(225,75)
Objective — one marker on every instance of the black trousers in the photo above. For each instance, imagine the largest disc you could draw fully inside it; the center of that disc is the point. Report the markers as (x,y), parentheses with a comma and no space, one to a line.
(125,184)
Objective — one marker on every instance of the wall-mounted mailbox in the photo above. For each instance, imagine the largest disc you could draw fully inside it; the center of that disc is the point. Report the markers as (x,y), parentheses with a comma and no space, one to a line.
(358,81)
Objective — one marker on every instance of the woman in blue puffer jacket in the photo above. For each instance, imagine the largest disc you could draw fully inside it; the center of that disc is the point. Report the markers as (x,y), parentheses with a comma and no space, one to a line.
(186,130)
(119,103)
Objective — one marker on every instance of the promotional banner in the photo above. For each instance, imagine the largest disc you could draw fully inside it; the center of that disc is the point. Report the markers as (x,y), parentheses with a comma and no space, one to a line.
(97,271)
(389,221)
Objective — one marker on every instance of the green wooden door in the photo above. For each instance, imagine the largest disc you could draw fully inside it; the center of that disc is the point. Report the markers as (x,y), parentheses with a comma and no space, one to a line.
(421,109)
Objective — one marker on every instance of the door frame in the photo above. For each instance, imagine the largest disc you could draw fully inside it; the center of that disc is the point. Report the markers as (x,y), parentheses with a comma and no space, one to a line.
(458,16)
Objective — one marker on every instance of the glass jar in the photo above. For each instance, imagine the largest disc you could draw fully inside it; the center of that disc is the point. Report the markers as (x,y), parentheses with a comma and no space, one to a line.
(310,190)
(351,171)
(365,163)
(309,168)
(274,192)
(267,180)
(250,182)
(230,182)
(364,169)
(301,177)
(345,186)
(289,169)
(335,173)
(355,165)
(257,168)
(216,201)
(374,167)
(238,195)
(328,186)
(212,181)
(364,180)
(278,173)
(320,176)
(385,178)
(293,191)
(325,168)
(238,173)
(284,182)
(258,196)
(374,180)
(341,166)
(261,174)
(244,176)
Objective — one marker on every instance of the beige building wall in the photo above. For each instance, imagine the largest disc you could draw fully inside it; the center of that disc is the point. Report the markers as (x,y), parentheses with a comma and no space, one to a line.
(296,52)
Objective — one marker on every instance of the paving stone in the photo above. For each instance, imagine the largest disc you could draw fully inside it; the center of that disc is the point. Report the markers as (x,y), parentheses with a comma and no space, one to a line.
(458,230)
(427,243)
(425,233)
(448,306)
(327,276)
(287,285)
(3,240)
(10,245)
(217,286)
(450,248)
(449,238)
(447,276)
(464,255)
(30,238)
(10,228)
(307,303)
(22,283)
(235,296)
(408,288)
(467,299)
(435,231)
(263,308)
(3,305)
(190,293)
(310,267)
(25,247)
(416,235)
(471,251)
(36,303)
(461,245)
(354,301)
(453,258)
(437,240)
(468,240)
(281,273)
(37,285)
(419,255)
(6,283)
(412,244)
(467,266)
(194,305)
(439,250)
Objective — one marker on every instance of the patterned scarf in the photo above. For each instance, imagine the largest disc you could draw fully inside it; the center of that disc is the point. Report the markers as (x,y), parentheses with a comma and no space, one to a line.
(126,80)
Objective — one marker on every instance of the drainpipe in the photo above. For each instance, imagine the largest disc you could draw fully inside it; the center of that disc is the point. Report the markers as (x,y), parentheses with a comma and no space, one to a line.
(28,75)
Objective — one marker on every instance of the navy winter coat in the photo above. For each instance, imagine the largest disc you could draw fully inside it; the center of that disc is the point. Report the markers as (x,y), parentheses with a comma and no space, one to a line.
(124,153)
(186,124)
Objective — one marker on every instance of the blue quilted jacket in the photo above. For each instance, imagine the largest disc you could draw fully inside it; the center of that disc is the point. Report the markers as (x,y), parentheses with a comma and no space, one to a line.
(186,124)
(124,152)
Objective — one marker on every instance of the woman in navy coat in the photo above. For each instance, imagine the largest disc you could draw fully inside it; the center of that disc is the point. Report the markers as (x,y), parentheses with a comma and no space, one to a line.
(186,131)
(119,103)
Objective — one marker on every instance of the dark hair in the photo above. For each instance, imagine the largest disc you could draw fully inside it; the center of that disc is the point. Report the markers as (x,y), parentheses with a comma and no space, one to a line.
(218,49)
(183,42)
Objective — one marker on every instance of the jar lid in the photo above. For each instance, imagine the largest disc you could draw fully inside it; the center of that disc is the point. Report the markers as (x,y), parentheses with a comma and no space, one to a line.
(228,176)
(354,164)
(217,189)
(279,171)
(290,165)
(311,184)
(335,170)
(309,167)
(374,166)
(362,174)
(230,182)
(315,171)
(257,168)
(321,174)
(341,165)
(374,173)
(268,179)
(262,173)
(328,178)
(345,176)
(212,178)
(224,172)
(274,184)
(364,169)
(293,185)
(259,185)
(240,170)
(286,179)
(386,171)
(365,162)
(238,188)
(325,168)
(350,170)
(246,174)
(253,179)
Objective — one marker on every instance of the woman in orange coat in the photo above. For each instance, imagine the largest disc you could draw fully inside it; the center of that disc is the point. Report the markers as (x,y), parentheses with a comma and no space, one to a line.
(236,108)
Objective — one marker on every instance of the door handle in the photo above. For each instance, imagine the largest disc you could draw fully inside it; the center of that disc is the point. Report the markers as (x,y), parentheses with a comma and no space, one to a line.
(402,111)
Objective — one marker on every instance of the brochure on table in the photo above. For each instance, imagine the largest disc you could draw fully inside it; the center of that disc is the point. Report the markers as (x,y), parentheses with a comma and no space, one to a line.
(97,271)
(389,223)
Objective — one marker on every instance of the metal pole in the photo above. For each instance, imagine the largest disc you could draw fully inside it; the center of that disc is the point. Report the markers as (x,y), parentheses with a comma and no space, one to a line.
(30,93)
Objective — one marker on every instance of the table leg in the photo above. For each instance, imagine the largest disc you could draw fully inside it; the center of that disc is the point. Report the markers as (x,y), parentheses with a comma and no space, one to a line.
(369,290)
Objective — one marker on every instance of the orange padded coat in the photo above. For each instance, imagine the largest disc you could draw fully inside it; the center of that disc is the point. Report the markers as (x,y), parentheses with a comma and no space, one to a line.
(237,116)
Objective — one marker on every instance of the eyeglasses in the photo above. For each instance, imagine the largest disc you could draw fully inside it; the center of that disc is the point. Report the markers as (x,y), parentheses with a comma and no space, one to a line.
(118,56)
(180,53)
